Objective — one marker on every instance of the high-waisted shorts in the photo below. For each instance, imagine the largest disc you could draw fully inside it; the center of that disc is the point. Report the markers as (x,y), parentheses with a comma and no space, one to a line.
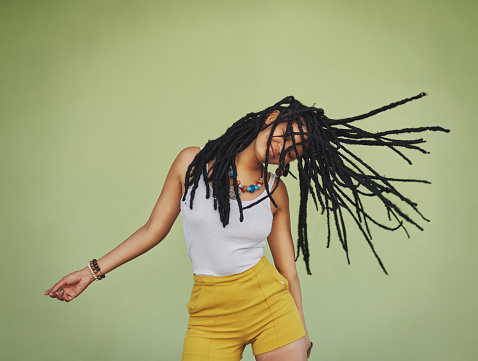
(227,313)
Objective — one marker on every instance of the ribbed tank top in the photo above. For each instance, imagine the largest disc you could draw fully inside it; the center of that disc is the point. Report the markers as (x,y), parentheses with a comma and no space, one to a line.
(215,250)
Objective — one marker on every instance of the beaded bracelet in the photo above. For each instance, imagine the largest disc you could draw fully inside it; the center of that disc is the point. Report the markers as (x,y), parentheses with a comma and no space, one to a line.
(95,270)
(92,273)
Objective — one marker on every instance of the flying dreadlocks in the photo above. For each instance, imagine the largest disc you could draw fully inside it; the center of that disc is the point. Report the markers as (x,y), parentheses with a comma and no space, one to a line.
(328,171)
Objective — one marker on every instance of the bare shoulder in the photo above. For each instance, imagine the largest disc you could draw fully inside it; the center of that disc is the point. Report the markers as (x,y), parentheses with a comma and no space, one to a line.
(182,162)
(184,158)
(281,197)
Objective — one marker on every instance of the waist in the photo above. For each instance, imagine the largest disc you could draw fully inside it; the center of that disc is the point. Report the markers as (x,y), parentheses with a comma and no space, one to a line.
(216,280)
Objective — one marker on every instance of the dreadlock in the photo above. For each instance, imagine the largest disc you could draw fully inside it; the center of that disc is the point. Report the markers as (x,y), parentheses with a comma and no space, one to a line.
(336,179)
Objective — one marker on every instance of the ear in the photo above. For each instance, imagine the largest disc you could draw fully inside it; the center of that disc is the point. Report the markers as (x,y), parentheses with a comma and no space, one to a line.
(272,116)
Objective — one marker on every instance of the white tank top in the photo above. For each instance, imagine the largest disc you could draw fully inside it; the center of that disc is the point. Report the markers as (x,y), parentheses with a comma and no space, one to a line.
(215,250)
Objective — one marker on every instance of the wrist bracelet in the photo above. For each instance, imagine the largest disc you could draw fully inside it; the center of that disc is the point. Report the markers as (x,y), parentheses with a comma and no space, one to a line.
(95,270)
(92,273)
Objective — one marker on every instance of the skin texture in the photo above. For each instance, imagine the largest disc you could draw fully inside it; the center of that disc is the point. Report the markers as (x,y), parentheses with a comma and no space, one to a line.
(249,166)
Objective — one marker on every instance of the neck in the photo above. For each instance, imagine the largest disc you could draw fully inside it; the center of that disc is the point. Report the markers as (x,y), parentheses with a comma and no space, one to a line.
(246,161)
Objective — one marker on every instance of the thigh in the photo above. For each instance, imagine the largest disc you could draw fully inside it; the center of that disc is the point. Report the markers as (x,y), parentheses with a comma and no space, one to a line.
(294,351)
(210,348)
(213,329)
(277,321)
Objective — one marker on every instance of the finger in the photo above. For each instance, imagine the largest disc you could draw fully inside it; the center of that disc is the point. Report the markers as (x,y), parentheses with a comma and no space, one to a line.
(309,350)
(47,292)
(68,297)
(65,296)
(60,294)
(57,286)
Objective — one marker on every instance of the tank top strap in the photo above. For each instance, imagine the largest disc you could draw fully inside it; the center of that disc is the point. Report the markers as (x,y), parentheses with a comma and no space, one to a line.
(272,178)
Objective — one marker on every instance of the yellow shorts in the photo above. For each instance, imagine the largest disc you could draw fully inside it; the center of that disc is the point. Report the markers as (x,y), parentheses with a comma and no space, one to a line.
(227,313)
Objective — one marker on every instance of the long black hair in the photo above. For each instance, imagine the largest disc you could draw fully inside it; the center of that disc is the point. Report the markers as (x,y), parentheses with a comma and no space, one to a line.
(334,177)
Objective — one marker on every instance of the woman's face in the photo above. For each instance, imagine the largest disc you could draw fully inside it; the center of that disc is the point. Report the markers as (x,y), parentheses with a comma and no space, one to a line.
(281,140)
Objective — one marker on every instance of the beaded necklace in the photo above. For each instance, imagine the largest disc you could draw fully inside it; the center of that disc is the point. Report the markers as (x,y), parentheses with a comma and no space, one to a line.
(242,188)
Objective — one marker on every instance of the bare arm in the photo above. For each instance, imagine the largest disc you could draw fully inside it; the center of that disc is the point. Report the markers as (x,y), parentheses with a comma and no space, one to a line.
(159,224)
(282,249)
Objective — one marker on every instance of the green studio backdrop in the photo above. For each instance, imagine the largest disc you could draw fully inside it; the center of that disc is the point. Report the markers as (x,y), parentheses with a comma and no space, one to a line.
(98,97)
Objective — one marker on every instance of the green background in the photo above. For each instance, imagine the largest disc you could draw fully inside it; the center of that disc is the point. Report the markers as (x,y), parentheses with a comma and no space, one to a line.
(97,98)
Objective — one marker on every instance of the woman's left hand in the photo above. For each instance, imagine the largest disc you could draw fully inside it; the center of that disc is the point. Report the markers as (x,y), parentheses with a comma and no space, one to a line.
(309,345)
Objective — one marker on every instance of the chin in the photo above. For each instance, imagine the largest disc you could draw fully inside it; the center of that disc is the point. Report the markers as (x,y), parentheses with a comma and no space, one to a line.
(272,162)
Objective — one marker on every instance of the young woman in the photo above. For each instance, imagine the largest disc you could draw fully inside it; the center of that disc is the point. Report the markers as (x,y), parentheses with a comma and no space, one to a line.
(238,297)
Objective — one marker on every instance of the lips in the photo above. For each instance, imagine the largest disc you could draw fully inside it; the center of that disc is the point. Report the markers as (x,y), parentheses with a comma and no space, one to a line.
(271,150)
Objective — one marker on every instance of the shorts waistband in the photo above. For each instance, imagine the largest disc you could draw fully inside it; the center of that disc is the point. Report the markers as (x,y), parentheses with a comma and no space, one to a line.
(232,278)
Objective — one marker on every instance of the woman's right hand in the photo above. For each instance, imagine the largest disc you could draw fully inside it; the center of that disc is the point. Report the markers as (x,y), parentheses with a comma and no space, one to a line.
(70,286)
(164,214)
